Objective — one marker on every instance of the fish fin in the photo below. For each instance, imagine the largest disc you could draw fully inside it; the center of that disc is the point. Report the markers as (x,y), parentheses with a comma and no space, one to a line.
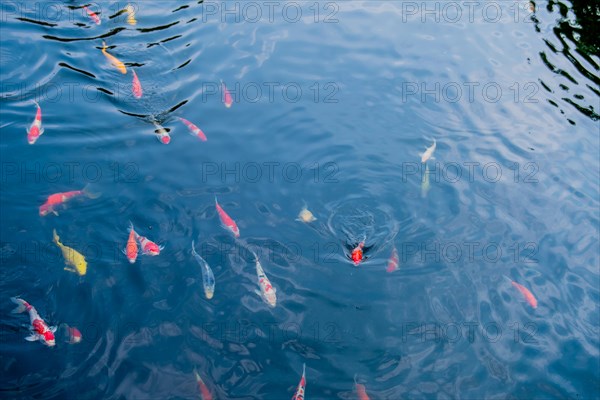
(55,212)
(20,305)
(32,338)
(41,131)
(91,195)
(432,158)
(274,289)
(53,329)
(258,293)
(298,219)
(71,270)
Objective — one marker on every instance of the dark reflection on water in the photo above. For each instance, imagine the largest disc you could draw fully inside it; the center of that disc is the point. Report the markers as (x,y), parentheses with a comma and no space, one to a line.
(331,111)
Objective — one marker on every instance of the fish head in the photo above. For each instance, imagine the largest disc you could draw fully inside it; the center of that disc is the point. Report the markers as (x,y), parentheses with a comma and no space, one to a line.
(357,255)
(209,293)
(152,249)
(74,335)
(165,139)
(44,210)
(81,267)
(49,338)
(33,134)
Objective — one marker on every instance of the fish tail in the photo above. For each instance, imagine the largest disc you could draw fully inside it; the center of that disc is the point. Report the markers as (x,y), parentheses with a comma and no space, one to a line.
(104,46)
(56,238)
(193,249)
(36,103)
(88,193)
(198,378)
(508,279)
(131,227)
(216,202)
(303,369)
(21,305)
(355,381)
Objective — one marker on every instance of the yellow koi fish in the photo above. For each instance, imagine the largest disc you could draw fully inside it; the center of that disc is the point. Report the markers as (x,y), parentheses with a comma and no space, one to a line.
(72,257)
(114,60)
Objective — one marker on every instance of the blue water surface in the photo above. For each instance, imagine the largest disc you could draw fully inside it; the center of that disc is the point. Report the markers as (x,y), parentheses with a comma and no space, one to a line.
(333,104)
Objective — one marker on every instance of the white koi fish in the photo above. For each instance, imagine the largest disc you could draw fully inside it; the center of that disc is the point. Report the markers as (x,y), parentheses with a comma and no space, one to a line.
(428,154)
(208,278)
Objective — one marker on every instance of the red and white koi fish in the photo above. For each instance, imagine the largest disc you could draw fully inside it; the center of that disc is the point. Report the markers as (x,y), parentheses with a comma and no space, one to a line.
(194,130)
(161,133)
(267,292)
(301,386)
(57,199)
(529,297)
(148,246)
(92,15)
(39,329)
(227,100)
(361,390)
(35,130)
(70,333)
(204,392)
(136,86)
(226,221)
(393,261)
(74,335)
(357,253)
(131,250)
(428,154)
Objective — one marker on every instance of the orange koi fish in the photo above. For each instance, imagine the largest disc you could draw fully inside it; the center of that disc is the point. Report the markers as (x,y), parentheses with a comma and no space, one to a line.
(226,221)
(194,130)
(227,100)
(35,130)
(393,261)
(57,199)
(114,60)
(131,250)
(92,15)
(529,297)
(204,392)
(136,86)
(357,253)
(361,390)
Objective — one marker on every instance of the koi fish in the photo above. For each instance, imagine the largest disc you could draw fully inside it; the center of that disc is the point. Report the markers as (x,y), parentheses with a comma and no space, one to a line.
(92,15)
(73,334)
(131,249)
(161,133)
(301,386)
(361,390)
(305,215)
(226,220)
(136,86)
(529,297)
(204,392)
(194,130)
(267,292)
(35,130)
(39,329)
(428,154)
(148,246)
(114,60)
(72,257)
(357,253)
(208,278)
(393,261)
(130,15)
(227,100)
(57,199)
(425,182)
